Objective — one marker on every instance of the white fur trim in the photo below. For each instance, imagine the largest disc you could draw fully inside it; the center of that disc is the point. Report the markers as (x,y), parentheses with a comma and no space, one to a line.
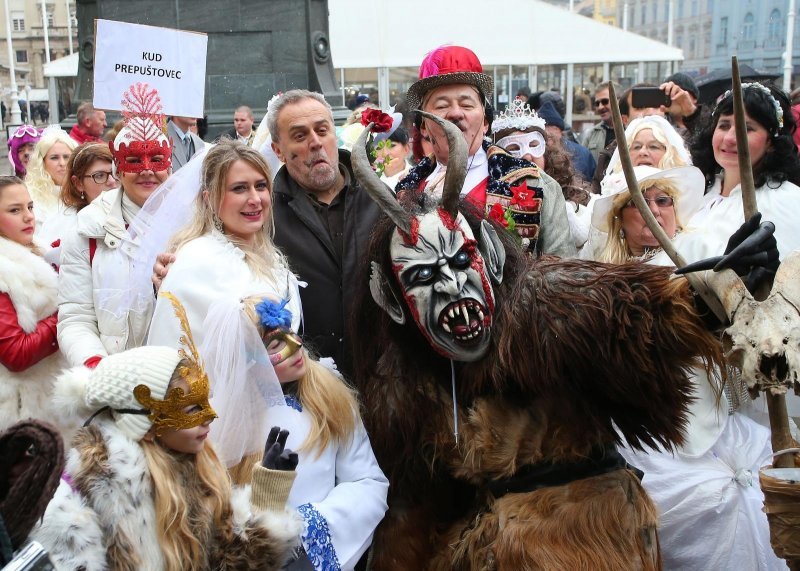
(30,282)
(285,526)
(69,395)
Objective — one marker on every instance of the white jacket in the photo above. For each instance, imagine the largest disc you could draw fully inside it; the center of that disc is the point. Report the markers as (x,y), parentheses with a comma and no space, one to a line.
(205,270)
(31,284)
(84,330)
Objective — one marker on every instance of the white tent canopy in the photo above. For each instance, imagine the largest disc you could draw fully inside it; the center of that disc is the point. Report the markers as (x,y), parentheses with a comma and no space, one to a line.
(62,67)
(385,33)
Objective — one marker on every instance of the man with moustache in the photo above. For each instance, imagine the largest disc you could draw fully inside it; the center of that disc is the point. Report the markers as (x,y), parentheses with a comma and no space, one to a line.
(453,86)
(322,217)
(602,134)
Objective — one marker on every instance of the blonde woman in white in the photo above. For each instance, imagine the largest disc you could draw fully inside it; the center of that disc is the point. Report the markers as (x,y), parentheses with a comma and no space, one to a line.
(45,174)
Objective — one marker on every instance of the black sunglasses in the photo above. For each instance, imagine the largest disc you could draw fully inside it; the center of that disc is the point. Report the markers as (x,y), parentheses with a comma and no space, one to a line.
(604,101)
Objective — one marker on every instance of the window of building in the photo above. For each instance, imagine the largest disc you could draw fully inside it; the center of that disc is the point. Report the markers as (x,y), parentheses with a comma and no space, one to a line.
(18,21)
(747,28)
(644,14)
(666,10)
(654,17)
(680,9)
(695,7)
(22,56)
(723,31)
(692,46)
(50,20)
(710,7)
(774,25)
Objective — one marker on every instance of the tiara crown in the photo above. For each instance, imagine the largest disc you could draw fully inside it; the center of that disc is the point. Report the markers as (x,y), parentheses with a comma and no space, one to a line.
(519,116)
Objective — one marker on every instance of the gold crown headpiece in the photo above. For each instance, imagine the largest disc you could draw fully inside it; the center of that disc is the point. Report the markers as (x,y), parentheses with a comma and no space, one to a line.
(170,413)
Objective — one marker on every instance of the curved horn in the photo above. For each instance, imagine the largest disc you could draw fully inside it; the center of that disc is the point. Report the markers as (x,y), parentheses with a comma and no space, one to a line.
(456,162)
(377,189)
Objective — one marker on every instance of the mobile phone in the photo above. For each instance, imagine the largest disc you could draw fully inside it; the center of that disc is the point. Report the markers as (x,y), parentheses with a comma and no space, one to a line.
(642,97)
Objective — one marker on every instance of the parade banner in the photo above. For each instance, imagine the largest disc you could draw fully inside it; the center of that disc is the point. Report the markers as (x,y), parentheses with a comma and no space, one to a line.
(172,61)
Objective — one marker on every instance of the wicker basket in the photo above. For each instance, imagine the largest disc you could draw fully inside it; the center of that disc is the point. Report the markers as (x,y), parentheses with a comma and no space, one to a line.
(781,487)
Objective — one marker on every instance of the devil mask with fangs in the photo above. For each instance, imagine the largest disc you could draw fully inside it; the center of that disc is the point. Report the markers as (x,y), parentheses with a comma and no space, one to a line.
(445,275)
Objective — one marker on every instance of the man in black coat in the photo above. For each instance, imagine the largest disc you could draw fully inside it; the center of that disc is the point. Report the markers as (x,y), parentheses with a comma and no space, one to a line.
(323,218)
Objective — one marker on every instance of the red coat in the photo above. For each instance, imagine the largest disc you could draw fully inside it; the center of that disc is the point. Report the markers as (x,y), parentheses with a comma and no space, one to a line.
(20,350)
(82,136)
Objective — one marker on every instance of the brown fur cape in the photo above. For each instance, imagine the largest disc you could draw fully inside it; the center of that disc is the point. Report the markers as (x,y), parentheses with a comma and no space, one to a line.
(577,348)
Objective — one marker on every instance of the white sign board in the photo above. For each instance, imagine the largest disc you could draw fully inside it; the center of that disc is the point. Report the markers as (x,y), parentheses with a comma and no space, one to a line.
(172,61)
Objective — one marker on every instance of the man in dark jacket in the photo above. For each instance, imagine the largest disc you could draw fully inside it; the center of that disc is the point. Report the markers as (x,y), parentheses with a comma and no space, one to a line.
(323,218)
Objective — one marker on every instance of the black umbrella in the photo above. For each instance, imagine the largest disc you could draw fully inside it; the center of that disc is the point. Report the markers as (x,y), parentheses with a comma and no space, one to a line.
(717,82)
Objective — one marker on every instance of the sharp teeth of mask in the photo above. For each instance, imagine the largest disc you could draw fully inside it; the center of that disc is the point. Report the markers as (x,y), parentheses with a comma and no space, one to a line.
(464,313)
(446,327)
(452,313)
(480,315)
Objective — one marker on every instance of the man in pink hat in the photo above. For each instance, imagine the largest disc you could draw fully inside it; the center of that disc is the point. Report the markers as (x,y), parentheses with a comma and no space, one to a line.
(452,85)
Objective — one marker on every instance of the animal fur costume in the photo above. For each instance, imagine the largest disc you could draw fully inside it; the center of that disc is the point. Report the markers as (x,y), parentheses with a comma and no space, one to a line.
(577,355)
(106,518)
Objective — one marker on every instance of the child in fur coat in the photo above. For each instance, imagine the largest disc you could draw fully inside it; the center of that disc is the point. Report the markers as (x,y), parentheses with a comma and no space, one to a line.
(144,490)
(29,356)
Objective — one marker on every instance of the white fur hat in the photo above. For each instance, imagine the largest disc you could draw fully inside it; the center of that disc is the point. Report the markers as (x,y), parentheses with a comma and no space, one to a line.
(81,391)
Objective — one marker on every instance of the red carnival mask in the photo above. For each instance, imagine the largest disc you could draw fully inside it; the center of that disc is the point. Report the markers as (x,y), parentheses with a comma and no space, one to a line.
(138,156)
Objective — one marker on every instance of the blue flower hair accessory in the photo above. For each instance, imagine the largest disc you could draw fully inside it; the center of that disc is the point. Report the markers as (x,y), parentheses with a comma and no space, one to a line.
(273,315)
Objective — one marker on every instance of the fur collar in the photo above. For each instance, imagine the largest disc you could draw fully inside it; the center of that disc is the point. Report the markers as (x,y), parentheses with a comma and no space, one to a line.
(30,282)
(110,472)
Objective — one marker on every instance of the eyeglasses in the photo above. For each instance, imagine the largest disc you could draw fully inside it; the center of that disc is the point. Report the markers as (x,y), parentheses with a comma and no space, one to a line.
(662,201)
(603,101)
(100,177)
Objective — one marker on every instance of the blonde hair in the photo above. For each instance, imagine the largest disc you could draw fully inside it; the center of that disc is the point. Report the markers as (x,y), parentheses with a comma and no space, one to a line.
(185,523)
(616,249)
(331,403)
(39,182)
(671,158)
(263,256)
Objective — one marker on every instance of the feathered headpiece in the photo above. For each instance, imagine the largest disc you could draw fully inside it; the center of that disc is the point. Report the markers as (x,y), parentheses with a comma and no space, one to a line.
(141,144)
(168,413)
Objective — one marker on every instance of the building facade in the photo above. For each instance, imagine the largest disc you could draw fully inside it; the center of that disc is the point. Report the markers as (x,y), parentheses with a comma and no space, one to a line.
(606,11)
(692,26)
(28,39)
(754,31)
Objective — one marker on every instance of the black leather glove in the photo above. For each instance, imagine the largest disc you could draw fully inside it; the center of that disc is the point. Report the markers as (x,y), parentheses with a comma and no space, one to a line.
(276,455)
(752,252)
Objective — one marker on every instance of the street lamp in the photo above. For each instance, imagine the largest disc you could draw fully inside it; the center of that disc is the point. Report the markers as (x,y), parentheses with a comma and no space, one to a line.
(16,119)
(28,102)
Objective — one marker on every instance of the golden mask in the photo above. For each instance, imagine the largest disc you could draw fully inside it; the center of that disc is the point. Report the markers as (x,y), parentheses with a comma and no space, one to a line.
(171,413)
(288,343)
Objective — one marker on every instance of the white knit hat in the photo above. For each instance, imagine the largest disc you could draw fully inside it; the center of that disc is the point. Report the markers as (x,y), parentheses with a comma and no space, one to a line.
(111,384)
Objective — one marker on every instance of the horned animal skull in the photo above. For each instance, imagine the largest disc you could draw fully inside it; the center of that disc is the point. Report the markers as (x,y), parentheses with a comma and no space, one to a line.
(763,340)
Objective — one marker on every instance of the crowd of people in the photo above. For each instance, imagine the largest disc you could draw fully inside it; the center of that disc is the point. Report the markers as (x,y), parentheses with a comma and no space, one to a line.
(390,345)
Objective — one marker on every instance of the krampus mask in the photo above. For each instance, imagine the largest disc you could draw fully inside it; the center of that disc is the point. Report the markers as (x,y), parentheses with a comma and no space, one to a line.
(442,271)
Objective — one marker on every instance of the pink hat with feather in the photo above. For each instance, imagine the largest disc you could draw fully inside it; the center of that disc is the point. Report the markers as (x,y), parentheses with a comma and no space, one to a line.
(449,65)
